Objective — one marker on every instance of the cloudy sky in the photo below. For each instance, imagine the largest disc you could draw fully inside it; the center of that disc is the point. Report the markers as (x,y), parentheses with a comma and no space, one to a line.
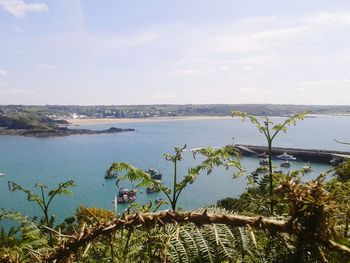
(167,51)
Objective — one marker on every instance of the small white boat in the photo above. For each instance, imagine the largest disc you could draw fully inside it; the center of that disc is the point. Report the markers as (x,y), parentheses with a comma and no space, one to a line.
(285,164)
(2,174)
(306,169)
(155,174)
(264,162)
(154,188)
(286,157)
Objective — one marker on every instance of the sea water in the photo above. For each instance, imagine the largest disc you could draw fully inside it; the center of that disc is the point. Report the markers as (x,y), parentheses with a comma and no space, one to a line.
(85,158)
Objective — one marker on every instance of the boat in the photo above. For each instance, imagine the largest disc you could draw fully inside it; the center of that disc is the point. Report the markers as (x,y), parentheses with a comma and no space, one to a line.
(285,164)
(263,155)
(153,189)
(336,161)
(264,162)
(111,176)
(286,157)
(126,196)
(2,174)
(306,169)
(155,174)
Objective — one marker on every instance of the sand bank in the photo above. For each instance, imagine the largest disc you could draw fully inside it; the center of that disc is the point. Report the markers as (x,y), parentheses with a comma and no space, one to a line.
(134,120)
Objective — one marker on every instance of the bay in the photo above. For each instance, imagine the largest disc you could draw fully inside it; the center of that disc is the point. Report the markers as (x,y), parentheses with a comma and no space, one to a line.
(85,158)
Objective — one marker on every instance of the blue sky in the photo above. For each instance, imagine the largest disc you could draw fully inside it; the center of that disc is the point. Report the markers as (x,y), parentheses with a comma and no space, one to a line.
(162,51)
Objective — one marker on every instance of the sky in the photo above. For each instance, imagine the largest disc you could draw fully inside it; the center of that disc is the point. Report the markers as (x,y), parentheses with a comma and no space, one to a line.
(174,52)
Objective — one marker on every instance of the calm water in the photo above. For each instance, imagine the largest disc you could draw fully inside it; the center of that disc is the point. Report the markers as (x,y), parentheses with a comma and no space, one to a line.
(85,159)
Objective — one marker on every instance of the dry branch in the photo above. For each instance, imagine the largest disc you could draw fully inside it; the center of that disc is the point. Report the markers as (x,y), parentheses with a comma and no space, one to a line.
(86,236)
(153,219)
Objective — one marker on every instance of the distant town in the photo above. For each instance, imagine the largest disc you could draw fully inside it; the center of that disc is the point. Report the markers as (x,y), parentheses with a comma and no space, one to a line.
(166,110)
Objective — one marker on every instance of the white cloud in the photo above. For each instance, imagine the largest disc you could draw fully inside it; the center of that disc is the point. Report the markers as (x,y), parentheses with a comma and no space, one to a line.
(45,67)
(20,92)
(246,67)
(18,8)
(3,72)
(17,29)
(190,72)
(325,82)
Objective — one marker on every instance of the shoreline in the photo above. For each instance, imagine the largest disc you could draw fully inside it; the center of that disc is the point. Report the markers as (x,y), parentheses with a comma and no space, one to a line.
(95,121)
(139,120)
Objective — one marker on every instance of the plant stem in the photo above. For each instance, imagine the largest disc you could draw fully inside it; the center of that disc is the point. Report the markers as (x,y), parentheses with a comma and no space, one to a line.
(173,202)
(270,175)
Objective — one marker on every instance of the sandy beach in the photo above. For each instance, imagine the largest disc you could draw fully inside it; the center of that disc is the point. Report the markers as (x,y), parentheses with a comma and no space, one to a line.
(151,119)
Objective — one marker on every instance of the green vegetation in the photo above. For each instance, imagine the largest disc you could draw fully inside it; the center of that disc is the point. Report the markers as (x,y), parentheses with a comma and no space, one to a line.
(43,202)
(35,125)
(26,121)
(144,111)
(213,158)
(270,131)
(310,221)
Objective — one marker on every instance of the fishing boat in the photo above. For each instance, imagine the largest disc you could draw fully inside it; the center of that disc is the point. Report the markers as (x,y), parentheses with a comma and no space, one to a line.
(306,169)
(264,162)
(263,155)
(286,157)
(126,196)
(154,188)
(157,176)
(336,161)
(285,164)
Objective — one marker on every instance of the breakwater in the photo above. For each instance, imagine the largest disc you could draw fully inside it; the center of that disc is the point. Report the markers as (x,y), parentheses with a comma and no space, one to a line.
(309,155)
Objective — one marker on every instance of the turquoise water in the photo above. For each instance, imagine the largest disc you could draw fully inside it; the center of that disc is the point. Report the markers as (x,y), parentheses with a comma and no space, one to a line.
(85,158)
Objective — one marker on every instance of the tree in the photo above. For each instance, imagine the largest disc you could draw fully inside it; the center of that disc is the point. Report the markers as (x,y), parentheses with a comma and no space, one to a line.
(270,130)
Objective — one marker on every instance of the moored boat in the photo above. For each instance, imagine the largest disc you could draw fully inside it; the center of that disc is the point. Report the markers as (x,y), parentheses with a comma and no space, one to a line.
(263,155)
(306,169)
(264,162)
(155,174)
(126,196)
(336,161)
(286,157)
(285,164)
(154,188)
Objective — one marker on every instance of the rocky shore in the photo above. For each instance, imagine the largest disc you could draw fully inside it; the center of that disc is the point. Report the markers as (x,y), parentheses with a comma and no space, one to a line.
(59,132)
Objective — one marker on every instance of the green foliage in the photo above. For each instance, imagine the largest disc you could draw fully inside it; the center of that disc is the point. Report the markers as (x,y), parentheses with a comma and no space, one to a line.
(212,158)
(93,215)
(270,130)
(44,201)
(26,120)
(315,213)
(22,241)
(343,171)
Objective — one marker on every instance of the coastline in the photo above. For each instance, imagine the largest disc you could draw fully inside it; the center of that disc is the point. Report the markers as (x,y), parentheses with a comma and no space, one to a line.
(138,120)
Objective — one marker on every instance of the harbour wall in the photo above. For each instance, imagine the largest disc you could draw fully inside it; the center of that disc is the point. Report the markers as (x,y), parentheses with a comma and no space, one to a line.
(308,155)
